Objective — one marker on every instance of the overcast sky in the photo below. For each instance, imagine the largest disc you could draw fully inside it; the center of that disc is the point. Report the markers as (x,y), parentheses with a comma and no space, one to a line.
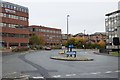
(84,14)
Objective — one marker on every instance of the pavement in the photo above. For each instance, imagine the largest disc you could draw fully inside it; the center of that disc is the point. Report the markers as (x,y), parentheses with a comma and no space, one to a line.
(37,64)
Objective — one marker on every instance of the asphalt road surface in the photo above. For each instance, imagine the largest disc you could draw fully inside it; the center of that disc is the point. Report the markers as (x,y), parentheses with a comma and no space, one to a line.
(37,64)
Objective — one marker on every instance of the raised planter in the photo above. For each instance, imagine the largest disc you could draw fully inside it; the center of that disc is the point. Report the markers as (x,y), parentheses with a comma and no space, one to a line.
(71,58)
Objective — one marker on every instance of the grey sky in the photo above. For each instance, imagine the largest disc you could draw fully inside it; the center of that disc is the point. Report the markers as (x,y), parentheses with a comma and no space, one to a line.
(83,14)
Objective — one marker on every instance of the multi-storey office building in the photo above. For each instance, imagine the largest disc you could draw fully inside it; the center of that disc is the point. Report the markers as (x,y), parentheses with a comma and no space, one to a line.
(112,23)
(13,25)
(52,36)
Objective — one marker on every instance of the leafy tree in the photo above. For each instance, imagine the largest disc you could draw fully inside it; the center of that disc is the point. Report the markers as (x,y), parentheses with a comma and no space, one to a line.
(101,44)
(71,41)
(35,40)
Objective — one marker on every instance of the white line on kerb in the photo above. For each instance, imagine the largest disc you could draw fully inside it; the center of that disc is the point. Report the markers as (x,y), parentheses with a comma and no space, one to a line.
(56,76)
(108,72)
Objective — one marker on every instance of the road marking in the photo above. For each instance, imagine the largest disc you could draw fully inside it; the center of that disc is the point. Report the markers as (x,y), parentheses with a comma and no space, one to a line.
(95,73)
(70,74)
(25,76)
(117,71)
(56,76)
(108,72)
(38,77)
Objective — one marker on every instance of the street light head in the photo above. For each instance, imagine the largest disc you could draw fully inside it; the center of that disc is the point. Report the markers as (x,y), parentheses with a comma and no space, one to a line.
(68,15)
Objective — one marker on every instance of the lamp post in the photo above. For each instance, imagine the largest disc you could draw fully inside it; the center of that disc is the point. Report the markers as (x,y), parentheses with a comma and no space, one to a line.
(67,30)
(84,39)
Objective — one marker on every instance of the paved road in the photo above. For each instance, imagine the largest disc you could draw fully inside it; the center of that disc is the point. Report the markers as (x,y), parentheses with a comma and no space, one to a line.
(38,64)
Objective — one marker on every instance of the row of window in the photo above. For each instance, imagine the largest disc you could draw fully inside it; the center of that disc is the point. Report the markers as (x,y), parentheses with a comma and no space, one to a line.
(111,29)
(53,40)
(14,35)
(13,16)
(112,36)
(52,36)
(4,44)
(44,30)
(113,18)
(10,25)
(14,7)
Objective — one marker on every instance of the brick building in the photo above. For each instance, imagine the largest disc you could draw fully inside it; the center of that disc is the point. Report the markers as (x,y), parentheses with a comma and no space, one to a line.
(92,38)
(13,25)
(64,37)
(52,36)
(98,36)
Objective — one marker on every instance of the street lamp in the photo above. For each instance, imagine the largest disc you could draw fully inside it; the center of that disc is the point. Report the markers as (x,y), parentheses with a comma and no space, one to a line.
(84,39)
(67,30)
(67,25)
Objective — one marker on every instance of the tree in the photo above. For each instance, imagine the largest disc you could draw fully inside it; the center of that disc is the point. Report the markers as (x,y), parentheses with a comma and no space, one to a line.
(35,40)
(101,44)
(71,41)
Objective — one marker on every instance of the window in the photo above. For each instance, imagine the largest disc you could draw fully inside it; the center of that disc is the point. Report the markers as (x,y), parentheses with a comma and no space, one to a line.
(24,44)
(1,5)
(19,9)
(25,19)
(1,14)
(4,34)
(33,29)
(11,7)
(4,15)
(8,6)
(25,10)
(13,44)
(1,24)
(5,6)
(4,24)
(15,7)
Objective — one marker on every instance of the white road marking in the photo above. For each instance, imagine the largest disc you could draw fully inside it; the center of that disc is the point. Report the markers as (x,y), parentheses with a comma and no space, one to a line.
(38,77)
(108,72)
(95,73)
(25,76)
(56,76)
(117,71)
(70,74)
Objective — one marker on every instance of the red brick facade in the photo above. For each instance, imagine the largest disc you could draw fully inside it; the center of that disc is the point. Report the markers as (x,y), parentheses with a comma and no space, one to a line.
(52,36)
(13,23)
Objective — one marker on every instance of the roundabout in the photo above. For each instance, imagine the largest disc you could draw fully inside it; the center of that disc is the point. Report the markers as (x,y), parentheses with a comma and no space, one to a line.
(71,58)
(70,55)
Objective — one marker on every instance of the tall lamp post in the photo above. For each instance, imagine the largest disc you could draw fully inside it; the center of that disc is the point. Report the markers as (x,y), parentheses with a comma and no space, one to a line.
(84,39)
(67,30)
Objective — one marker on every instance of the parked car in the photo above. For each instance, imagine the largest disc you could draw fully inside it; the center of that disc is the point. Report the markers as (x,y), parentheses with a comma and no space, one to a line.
(47,48)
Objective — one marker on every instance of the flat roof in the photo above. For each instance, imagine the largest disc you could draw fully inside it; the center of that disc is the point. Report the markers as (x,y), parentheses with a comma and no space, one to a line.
(118,11)
(5,2)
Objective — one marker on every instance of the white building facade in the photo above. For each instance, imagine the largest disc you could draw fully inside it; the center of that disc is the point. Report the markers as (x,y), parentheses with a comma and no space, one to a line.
(112,25)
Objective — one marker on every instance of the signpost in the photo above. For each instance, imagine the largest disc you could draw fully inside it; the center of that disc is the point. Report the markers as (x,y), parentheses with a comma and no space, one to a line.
(116,42)
(71,52)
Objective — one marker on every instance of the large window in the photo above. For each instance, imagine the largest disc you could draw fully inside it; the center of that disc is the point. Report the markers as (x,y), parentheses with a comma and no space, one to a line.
(24,44)
(13,44)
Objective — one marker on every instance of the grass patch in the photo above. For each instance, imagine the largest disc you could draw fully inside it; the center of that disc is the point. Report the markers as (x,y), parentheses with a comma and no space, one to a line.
(115,54)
